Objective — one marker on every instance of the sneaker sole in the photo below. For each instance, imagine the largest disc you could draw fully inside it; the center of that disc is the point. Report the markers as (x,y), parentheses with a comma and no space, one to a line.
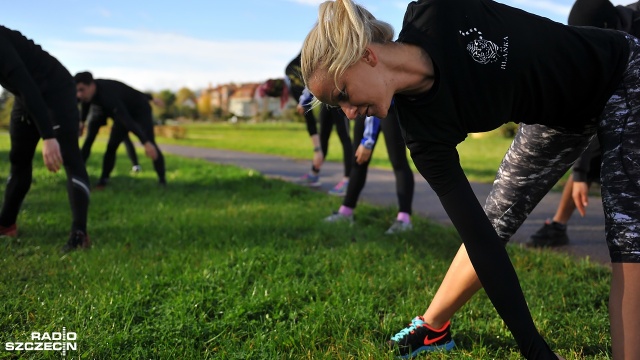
(431,348)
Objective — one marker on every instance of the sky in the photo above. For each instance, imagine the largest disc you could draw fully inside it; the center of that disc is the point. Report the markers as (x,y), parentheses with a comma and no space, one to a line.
(156,45)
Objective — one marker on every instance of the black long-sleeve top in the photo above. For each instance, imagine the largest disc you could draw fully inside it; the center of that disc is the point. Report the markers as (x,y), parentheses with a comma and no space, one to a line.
(122,103)
(494,64)
(26,71)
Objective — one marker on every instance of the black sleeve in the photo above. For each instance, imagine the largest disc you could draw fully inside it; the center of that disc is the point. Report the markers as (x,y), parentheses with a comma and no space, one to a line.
(121,114)
(84,111)
(486,251)
(20,82)
(495,271)
(582,166)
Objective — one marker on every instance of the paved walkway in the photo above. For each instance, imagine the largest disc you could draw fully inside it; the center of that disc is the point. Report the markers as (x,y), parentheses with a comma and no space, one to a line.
(586,234)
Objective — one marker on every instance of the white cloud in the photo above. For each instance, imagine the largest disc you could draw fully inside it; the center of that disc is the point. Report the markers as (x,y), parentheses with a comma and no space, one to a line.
(152,61)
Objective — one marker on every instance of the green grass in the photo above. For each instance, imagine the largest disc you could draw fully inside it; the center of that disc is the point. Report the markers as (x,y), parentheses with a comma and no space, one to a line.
(226,264)
(480,158)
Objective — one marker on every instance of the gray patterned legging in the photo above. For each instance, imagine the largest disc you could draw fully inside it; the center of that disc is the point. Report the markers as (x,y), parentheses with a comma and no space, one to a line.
(540,155)
(619,133)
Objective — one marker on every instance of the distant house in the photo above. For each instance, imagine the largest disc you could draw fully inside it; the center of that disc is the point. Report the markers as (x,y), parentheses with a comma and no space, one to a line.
(242,102)
(220,96)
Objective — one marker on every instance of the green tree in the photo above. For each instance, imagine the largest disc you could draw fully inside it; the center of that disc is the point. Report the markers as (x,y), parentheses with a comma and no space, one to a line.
(186,103)
(6,104)
(166,110)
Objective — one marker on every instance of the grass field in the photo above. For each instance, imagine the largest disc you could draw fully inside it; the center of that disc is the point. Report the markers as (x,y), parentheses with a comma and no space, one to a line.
(225,264)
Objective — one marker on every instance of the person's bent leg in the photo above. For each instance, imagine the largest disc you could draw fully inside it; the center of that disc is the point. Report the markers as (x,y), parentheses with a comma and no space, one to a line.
(538,157)
(358,172)
(65,118)
(24,139)
(131,150)
(93,127)
(343,127)
(158,163)
(397,151)
(619,134)
(624,310)
(77,180)
(326,127)
(118,132)
(566,207)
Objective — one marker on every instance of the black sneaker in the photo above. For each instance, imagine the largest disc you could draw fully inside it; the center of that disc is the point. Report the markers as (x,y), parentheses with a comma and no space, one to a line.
(77,240)
(551,234)
(419,337)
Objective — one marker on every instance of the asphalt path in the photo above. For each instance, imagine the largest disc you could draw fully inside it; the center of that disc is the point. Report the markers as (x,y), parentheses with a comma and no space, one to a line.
(586,234)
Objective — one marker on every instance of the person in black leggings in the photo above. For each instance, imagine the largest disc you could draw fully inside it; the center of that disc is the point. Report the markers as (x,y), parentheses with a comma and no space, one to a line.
(366,131)
(470,66)
(461,281)
(320,141)
(130,111)
(45,108)
(95,120)
(329,117)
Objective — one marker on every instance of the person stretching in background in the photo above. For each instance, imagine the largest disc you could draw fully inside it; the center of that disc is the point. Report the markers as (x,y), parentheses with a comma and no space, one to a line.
(328,117)
(130,111)
(95,119)
(45,108)
(366,131)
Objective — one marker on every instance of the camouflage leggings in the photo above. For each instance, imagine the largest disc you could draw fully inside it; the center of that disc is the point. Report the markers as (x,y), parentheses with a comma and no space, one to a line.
(619,134)
(540,155)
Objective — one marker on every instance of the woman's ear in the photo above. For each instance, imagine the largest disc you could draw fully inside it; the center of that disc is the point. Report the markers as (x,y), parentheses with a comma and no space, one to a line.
(370,57)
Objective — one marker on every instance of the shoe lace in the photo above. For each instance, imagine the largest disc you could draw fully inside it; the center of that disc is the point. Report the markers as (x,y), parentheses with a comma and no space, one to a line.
(415,323)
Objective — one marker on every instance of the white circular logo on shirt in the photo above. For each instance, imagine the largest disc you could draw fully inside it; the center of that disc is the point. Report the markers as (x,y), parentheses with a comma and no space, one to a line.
(483,51)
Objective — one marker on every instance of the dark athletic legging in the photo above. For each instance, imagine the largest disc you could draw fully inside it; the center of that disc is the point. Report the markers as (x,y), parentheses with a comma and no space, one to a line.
(328,117)
(25,138)
(118,133)
(95,121)
(397,155)
(309,118)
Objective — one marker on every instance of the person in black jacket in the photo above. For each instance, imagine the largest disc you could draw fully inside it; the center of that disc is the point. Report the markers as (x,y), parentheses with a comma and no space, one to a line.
(95,119)
(130,111)
(470,66)
(45,108)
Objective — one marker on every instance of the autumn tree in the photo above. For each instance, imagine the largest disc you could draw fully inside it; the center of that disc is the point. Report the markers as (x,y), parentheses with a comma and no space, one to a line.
(204,105)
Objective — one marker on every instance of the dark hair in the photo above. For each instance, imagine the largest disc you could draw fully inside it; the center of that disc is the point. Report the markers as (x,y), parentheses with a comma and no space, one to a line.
(84,77)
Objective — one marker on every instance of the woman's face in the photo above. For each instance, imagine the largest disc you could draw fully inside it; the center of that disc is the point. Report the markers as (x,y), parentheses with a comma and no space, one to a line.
(359,91)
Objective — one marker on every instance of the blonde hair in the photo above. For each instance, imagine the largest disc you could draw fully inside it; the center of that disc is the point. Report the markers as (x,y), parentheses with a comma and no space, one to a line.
(340,37)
